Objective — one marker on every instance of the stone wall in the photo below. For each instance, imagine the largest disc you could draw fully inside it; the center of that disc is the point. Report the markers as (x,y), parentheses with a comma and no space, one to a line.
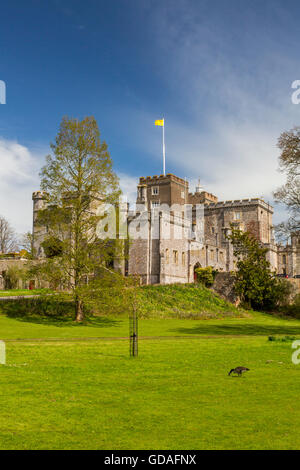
(224,286)
(7,263)
(20,263)
(160,259)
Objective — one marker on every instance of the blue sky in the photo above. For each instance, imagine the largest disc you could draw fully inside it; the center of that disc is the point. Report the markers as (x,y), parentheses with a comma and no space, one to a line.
(220,72)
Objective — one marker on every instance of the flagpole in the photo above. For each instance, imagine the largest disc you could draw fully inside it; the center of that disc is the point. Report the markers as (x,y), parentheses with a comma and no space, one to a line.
(164,149)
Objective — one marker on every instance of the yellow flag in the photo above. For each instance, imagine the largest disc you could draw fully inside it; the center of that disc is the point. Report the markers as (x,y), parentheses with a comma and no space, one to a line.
(160,122)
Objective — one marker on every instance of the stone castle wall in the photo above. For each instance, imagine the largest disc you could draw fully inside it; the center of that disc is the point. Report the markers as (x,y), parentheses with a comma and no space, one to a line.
(160,259)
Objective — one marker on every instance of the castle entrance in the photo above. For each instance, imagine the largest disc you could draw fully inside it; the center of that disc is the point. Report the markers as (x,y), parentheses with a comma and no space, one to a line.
(197,265)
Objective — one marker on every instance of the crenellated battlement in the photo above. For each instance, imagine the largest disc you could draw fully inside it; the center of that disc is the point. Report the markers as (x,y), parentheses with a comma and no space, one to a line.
(157,179)
(202,197)
(241,203)
(39,195)
(184,240)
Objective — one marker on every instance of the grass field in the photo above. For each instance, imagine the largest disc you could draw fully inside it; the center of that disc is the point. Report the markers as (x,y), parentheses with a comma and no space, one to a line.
(60,392)
(21,292)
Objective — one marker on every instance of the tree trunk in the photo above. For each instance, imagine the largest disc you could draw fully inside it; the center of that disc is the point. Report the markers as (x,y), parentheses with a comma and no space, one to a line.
(79,316)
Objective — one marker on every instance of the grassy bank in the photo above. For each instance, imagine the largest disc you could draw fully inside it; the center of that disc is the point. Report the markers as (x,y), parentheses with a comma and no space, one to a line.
(170,301)
(183,301)
(22,292)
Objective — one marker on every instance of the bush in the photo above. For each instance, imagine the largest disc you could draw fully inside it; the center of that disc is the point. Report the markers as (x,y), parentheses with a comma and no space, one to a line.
(294,309)
(52,247)
(205,276)
(11,278)
(283,339)
(43,306)
(277,293)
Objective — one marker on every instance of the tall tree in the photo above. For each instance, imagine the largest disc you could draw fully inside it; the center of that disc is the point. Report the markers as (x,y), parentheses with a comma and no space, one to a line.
(289,193)
(77,178)
(8,237)
(255,282)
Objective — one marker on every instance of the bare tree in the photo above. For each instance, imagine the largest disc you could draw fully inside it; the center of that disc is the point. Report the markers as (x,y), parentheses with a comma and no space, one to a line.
(26,243)
(289,193)
(8,237)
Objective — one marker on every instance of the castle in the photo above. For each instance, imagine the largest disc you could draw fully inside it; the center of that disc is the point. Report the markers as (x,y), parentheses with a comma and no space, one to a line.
(174,231)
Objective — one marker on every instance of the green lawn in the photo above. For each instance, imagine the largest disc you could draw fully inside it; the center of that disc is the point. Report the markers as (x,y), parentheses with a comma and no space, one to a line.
(89,394)
(255,324)
(21,292)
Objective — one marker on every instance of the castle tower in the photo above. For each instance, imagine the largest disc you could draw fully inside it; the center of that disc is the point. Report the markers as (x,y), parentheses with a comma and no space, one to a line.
(38,232)
(295,241)
(160,190)
(148,254)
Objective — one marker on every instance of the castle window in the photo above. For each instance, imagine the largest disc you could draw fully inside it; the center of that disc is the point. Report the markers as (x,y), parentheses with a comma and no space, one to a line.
(284,259)
(167,256)
(155,204)
(183,258)
(155,190)
(175,256)
(237,215)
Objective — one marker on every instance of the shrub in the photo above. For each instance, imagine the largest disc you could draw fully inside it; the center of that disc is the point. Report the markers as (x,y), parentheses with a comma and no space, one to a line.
(283,339)
(11,278)
(43,306)
(293,309)
(205,276)
(52,247)
(277,293)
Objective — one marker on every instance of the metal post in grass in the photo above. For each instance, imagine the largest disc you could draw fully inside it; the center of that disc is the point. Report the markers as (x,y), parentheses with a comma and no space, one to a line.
(133,333)
(133,320)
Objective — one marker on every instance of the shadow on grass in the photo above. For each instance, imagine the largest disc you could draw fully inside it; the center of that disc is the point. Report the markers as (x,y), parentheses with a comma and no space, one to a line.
(48,313)
(255,329)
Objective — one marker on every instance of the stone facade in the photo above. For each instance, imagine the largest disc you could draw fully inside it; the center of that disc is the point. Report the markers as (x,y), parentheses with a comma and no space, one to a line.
(288,257)
(173,231)
(160,259)
(38,198)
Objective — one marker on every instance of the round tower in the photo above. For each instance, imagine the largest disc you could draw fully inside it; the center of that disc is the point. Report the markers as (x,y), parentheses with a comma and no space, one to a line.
(39,203)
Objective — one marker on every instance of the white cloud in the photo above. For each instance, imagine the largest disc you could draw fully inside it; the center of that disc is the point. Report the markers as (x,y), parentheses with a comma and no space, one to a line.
(19,168)
(128,186)
(231,105)
(237,162)
(18,179)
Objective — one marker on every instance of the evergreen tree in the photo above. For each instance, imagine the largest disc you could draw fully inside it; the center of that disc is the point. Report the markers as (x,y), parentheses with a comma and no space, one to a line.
(255,283)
